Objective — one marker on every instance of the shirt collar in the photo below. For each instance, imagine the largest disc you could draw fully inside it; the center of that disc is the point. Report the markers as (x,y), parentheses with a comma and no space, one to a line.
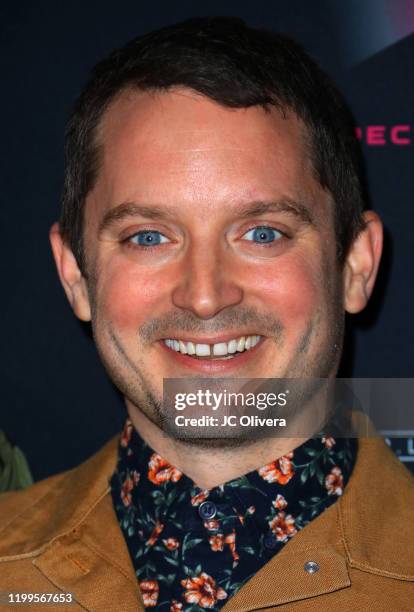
(301,483)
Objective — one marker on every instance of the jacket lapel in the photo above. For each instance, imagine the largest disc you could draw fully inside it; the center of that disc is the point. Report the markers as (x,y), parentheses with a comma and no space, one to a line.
(284,579)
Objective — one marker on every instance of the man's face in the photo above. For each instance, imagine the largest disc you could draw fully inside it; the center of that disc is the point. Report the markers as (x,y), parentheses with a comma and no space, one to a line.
(206,225)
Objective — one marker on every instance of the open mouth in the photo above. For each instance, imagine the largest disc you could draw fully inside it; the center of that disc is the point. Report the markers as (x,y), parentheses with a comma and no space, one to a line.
(220,350)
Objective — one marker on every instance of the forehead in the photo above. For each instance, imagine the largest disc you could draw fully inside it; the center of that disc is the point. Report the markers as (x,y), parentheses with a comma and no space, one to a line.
(182,148)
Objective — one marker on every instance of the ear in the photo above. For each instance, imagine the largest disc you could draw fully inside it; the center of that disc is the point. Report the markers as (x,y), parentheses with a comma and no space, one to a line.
(362,262)
(70,275)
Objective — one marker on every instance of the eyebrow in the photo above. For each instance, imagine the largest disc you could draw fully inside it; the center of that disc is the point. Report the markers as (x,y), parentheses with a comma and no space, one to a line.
(285,205)
(252,209)
(131,209)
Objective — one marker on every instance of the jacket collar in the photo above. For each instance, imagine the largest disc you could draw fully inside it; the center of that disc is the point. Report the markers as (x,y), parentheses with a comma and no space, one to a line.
(80,547)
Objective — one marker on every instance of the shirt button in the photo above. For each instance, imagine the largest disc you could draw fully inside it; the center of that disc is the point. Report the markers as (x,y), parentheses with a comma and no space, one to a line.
(311,567)
(207,510)
(270,541)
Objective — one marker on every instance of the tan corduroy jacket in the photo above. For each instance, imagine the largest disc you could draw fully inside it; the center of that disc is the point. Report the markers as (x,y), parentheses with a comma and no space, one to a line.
(62,535)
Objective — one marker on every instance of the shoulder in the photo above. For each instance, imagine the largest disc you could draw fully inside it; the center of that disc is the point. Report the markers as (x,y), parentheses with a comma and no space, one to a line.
(14,503)
(33,517)
(378,470)
(377,513)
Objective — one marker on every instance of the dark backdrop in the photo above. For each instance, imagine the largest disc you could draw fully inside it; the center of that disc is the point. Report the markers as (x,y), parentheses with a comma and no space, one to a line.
(57,404)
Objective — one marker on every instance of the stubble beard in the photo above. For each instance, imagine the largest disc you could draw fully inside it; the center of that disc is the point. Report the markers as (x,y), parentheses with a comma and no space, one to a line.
(134,383)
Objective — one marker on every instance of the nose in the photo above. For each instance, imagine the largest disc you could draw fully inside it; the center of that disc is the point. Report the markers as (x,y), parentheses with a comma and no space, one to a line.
(207,284)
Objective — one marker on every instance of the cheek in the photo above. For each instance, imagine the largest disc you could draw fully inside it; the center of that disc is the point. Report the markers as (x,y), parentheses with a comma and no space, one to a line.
(129,296)
(291,288)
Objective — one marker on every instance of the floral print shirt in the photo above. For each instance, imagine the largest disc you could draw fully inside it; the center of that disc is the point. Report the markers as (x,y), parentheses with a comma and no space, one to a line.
(193,549)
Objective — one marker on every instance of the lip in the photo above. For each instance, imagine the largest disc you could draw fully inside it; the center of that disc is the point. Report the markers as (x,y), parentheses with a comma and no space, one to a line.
(212,366)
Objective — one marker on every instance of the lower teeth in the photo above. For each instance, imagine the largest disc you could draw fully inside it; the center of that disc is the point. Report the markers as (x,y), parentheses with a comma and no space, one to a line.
(213,358)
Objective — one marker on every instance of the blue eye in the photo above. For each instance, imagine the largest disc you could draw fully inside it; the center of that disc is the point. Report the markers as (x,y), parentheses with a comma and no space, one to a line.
(262,234)
(148,238)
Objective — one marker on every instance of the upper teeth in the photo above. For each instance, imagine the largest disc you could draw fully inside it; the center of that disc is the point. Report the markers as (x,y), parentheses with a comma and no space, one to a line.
(220,349)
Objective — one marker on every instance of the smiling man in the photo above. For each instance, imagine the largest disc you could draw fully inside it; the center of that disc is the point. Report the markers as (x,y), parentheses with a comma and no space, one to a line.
(213,226)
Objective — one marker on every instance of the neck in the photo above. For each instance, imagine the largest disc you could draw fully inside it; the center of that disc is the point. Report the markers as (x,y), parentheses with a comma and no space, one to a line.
(210,467)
